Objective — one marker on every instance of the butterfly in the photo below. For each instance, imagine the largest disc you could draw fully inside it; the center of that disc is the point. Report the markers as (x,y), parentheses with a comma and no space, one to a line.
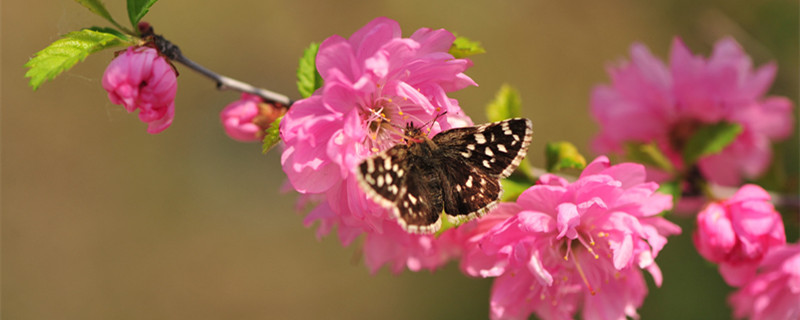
(458,171)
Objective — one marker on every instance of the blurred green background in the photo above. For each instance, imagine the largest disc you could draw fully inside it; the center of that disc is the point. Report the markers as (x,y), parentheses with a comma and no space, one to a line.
(101,220)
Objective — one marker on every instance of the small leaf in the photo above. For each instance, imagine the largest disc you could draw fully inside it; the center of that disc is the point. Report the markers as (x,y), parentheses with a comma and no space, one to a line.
(64,53)
(137,9)
(648,154)
(447,224)
(463,47)
(562,155)
(308,79)
(672,188)
(710,139)
(506,104)
(113,31)
(513,188)
(526,171)
(97,7)
(272,136)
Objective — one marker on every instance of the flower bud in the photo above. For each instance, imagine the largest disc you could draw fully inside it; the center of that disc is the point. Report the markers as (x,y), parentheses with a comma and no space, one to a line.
(140,79)
(249,117)
(736,233)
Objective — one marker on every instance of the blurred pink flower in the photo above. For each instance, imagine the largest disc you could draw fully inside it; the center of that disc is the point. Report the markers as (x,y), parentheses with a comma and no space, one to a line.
(775,292)
(247,119)
(648,101)
(736,233)
(374,82)
(574,244)
(140,78)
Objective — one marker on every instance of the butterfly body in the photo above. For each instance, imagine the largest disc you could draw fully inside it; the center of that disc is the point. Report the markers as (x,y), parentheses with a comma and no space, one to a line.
(457,171)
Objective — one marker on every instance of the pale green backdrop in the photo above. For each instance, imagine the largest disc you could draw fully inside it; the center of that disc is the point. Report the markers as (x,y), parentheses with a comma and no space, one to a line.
(101,220)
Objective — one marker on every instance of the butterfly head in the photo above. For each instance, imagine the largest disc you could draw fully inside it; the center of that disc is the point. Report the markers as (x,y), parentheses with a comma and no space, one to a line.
(414,134)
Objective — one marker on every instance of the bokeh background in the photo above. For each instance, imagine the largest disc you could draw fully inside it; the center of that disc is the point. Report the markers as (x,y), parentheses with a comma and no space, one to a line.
(101,220)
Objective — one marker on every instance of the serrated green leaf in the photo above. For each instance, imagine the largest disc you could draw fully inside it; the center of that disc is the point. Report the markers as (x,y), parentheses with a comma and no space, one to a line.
(308,79)
(272,136)
(562,155)
(648,154)
(463,47)
(137,9)
(64,53)
(710,139)
(506,104)
(97,7)
(122,36)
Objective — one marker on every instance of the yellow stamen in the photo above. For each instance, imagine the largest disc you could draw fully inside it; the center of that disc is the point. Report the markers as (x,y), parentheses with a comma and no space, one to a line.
(583,276)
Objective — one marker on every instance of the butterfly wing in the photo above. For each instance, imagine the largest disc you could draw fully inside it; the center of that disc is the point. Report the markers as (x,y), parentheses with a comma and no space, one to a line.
(476,159)
(398,180)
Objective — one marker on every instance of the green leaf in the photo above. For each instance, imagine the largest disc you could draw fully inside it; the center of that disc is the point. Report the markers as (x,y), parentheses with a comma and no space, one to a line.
(525,170)
(272,136)
(672,188)
(710,139)
(64,53)
(562,155)
(308,79)
(137,9)
(97,7)
(648,154)
(513,188)
(113,31)
(506,104)
(463,47)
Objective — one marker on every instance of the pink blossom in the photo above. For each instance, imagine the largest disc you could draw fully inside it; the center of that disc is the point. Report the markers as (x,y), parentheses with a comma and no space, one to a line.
(140,78)
(648,101)
(775,292)
(374,82)
(574,245)
(247,119)
(736,233)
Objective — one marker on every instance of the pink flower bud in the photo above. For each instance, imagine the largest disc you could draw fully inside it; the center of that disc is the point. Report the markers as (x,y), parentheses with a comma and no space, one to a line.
(736,233)
(247,119)
(141,79)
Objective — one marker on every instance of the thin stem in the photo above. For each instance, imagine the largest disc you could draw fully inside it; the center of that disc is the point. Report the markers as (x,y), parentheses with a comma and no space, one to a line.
(174,53)
(224,83)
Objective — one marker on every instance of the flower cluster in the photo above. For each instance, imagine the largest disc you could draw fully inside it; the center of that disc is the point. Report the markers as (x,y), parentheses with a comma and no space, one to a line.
(374,81)
(648,101)
(141,79)
(566,245)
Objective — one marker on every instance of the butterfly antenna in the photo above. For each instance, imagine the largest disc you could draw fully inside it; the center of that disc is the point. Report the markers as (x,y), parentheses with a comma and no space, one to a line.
(432,121)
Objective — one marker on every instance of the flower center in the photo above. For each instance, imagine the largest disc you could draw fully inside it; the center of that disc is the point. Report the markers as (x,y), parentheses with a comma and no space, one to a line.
(386,117)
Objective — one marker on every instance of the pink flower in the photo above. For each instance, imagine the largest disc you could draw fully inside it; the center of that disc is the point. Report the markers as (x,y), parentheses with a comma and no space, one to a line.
(246,119)
(374,82)
(570,245)
(648,101)
(775,292)
(140,78)
(736,233)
